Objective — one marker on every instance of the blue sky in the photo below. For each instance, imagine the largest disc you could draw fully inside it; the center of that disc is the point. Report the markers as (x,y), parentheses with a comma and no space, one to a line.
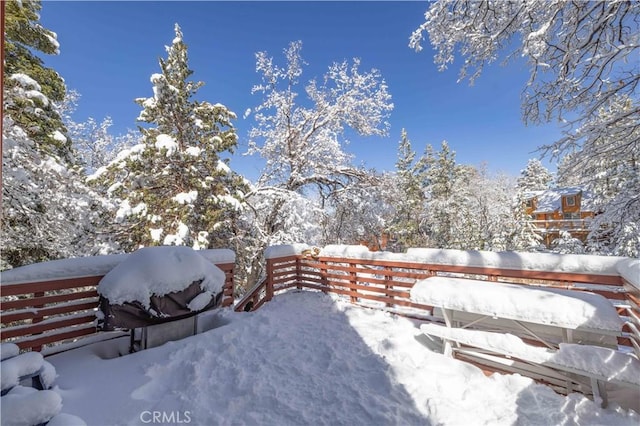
(110,49)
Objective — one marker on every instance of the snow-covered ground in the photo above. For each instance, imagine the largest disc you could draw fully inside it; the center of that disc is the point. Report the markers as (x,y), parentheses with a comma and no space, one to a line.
(305,358)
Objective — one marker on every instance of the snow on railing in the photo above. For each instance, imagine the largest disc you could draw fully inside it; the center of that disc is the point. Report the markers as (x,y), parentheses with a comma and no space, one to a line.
(383,280)
(52,302)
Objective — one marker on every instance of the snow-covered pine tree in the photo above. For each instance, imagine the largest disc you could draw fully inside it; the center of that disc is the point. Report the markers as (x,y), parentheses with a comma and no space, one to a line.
(35,110)
(409,200)
(534,177)
(174,189)
(47,211)
(447,184)
(567,244)
(361,212)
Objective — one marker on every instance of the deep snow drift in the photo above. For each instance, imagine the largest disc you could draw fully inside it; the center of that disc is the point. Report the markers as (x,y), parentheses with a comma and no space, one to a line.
(306,358)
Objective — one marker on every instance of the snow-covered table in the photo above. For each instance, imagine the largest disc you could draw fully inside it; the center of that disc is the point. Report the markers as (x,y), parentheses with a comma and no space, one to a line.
(551,316)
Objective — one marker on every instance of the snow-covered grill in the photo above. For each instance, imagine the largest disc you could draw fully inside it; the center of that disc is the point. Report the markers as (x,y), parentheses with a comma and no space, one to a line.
(157,293)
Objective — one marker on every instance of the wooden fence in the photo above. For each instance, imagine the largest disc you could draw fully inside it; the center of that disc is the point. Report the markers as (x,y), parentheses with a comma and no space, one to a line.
(41,313)
(386,284)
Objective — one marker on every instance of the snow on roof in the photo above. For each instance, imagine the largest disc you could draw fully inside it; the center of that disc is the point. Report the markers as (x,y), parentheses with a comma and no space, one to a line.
(159,271)
(562,308)
(90,266)
(551,200)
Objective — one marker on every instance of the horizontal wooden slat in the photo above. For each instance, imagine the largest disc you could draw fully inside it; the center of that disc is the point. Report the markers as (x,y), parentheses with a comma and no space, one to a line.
(355,294)
(54,338)
(43,286)
(526,274)
(372,289)
(41,301)
(7,333)
(43,312)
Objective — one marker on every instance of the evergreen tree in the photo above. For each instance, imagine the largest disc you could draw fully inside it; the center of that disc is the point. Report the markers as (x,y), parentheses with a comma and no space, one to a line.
(34,110)
(47,211)
(534,177)
(173,188)
(567,244)
(447,186)
(409,200)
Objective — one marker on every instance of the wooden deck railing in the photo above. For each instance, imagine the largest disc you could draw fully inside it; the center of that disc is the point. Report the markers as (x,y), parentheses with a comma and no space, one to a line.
(386,284)
(563,224)
(48,312)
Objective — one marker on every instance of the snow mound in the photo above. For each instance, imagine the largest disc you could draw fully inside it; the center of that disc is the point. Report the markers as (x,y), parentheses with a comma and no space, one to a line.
(8,350)
(27,406)
(63,419)
(22,365)
(285,250)
(630,271)
(159,271)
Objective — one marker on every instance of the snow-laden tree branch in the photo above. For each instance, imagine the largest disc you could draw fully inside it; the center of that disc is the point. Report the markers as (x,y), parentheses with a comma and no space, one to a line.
(300,132)
(297,136)
(581,54)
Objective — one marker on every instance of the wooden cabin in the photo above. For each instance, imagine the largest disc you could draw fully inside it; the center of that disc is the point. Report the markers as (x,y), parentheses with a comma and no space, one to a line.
(560,209)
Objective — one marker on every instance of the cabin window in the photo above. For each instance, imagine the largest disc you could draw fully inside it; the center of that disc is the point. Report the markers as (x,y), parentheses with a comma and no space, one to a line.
(529,203)
(572,216)
(570,200)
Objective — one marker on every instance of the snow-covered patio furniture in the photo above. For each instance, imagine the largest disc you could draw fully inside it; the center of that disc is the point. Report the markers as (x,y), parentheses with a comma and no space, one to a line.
(17,369)
(157,293)
(484,319)
(548,315)
(585,367)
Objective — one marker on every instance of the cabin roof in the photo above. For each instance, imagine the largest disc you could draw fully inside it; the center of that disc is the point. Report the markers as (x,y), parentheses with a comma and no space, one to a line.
(550,200)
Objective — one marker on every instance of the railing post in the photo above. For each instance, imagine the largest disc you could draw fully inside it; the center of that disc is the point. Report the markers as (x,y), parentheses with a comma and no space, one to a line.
(269,287)
(387,279)
(353,281)
(298,272)
(37,318)
(324,268)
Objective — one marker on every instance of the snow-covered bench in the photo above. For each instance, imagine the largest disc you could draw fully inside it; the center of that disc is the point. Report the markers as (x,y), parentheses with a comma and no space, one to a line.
(549,316)
(588,367)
